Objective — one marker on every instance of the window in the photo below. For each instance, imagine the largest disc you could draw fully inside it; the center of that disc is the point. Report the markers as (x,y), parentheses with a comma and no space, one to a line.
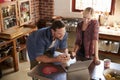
(98,5)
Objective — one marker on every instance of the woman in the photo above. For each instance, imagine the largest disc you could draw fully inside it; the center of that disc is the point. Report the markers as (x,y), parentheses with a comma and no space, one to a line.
(87,37)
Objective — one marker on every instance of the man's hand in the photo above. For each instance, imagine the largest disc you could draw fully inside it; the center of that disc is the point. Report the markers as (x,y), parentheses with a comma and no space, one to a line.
(63,58)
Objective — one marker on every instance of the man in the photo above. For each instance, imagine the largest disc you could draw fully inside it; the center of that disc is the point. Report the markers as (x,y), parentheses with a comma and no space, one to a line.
(43,43)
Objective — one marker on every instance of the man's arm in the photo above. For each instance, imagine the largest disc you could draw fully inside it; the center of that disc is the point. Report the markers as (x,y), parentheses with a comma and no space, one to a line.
(45,59)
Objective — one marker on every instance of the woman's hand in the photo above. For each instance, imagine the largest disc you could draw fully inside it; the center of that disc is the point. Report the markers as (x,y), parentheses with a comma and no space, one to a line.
(73,54)
(96,61)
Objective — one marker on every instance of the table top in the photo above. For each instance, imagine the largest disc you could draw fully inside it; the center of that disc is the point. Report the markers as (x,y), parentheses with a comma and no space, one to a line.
(96,71)
(111,31)
(41,71)
(109,34)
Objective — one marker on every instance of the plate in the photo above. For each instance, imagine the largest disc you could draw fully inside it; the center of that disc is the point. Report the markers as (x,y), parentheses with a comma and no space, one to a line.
(111,74)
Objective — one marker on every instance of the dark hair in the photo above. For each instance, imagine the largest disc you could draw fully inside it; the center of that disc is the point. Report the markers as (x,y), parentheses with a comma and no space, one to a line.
(41,23)
(57,24)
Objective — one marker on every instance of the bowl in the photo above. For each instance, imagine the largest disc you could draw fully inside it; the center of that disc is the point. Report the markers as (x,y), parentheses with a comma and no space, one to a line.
(111,74)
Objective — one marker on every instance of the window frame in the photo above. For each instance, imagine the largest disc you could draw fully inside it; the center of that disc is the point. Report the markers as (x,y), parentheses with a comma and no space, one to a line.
(112,10)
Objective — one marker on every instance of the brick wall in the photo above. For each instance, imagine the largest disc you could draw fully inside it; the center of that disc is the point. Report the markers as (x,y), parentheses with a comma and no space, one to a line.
(42,9)
(46,9)
(35,11)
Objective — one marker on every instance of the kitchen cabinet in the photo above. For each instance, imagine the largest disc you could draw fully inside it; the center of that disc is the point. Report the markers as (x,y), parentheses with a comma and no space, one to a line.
(24,11)
(5,50)
(8,15)
(14,29)
(6,53)
(14,14)
(110,42)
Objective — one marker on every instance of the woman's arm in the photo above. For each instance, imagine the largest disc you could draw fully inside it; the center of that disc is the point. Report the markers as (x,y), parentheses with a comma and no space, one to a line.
(95,43)
(96,51)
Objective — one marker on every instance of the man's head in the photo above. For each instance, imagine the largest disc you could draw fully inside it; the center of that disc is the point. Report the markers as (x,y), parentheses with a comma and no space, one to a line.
(58,29)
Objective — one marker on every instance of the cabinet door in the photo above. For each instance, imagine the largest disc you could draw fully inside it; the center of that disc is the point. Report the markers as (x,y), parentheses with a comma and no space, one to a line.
(24,11)
(8,15)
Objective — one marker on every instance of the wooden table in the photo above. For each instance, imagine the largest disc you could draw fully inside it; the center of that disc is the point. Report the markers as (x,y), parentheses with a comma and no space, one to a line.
(96,71)
(13,41)
(109,34)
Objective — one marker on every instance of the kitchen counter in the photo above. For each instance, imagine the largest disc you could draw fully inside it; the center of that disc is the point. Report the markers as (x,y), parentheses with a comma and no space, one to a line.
(109,33)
